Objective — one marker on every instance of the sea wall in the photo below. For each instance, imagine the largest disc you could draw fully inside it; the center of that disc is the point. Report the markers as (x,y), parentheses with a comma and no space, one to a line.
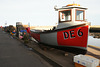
(94,29)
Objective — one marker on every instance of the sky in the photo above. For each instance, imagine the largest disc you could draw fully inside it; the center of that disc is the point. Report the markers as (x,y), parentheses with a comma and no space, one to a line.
(41,12)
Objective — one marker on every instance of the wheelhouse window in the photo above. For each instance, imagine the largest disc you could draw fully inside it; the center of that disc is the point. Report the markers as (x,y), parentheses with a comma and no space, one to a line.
(65,15)
(79,15)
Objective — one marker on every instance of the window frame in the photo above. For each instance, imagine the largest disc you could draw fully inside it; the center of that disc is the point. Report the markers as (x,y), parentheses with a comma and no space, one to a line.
(76,15)
(70,16)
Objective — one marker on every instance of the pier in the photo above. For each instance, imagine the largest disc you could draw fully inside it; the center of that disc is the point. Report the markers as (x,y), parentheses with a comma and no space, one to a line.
(14,53)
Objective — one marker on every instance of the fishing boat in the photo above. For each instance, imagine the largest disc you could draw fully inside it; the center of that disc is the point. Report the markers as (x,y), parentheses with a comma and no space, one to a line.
(71,33)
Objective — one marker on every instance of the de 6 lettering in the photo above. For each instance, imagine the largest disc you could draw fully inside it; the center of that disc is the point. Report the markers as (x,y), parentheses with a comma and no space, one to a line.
(71,34)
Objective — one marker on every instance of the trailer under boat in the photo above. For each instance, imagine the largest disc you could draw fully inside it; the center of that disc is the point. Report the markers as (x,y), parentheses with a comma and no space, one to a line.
(71,34)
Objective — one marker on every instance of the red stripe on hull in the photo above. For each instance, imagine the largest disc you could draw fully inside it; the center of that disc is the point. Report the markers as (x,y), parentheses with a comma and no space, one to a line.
(73,37)
(35,36)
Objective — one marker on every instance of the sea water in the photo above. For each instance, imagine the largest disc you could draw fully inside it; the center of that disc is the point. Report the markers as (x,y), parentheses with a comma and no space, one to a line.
(94,41)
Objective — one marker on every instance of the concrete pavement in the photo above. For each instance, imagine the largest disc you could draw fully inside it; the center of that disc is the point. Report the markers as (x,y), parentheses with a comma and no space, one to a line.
(14,54)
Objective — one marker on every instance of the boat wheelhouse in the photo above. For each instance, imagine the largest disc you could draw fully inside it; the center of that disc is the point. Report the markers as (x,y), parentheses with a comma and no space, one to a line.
(70,15)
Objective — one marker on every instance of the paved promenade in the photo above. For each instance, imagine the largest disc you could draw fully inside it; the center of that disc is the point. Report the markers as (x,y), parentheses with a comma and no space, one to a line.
(14,54)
